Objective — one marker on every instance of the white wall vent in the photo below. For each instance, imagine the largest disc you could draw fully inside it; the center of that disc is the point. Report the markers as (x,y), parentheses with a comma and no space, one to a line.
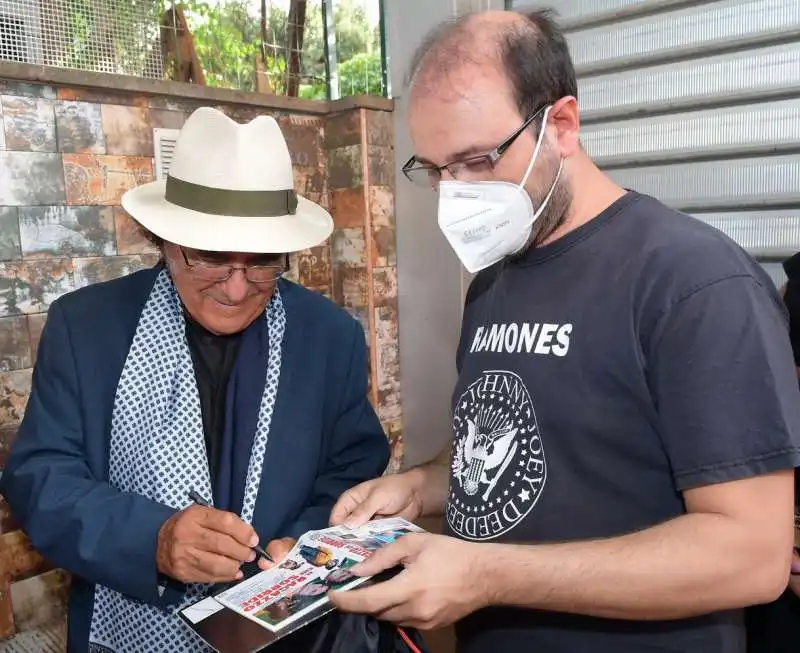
(164,146)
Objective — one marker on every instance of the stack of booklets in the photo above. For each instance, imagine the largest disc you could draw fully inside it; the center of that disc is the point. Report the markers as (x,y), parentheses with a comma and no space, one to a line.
(256,612)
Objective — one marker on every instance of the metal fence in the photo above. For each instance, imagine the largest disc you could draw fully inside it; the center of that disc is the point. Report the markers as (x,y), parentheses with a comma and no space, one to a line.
(112,36)
(313,48)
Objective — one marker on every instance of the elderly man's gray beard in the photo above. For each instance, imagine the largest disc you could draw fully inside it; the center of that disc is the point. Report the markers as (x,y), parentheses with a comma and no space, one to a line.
(553,215)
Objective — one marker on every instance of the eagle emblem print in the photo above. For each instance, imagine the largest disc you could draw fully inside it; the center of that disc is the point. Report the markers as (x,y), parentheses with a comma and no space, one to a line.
(498,465)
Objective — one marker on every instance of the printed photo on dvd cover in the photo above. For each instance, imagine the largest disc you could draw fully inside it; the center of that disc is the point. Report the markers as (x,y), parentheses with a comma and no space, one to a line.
(319,562)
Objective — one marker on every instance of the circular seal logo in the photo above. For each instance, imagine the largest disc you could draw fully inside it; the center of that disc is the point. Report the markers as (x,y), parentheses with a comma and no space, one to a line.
(498,468)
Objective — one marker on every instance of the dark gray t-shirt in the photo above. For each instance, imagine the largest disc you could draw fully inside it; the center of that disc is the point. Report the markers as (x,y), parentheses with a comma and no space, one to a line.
(641,355)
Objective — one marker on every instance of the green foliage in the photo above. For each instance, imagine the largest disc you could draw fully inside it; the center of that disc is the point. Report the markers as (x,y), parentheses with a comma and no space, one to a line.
(227,37)
(361,75)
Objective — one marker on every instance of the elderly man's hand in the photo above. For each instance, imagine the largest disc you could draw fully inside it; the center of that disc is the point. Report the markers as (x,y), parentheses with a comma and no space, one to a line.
(204,545)
(278,549)
(441,582)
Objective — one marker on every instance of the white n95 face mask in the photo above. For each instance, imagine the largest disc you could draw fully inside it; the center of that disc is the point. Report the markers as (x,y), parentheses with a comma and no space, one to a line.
(485,221)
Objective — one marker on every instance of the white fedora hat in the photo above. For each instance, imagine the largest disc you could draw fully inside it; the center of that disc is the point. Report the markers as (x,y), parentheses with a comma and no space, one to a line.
(230,188)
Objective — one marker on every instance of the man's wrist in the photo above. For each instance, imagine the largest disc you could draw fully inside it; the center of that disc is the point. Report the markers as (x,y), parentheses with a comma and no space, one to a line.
(424,484)
(493,561)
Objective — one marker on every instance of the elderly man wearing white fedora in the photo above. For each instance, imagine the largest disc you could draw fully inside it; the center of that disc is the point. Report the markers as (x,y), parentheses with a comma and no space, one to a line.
(207,377)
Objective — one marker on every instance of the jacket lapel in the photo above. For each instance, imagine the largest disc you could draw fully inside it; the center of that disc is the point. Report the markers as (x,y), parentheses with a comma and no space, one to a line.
(271,511)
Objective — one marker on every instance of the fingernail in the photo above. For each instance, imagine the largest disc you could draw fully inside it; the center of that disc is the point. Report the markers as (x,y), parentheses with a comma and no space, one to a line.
(239,575)
(254,540)
(251,557)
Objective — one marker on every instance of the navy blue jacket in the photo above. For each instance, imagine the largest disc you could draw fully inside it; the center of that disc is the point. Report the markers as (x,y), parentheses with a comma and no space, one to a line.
(324,438)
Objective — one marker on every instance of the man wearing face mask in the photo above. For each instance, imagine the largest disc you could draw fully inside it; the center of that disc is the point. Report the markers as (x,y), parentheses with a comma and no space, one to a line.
(626,417)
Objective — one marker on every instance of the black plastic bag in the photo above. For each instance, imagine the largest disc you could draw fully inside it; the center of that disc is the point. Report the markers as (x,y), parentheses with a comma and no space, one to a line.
(338,632)
(354,633)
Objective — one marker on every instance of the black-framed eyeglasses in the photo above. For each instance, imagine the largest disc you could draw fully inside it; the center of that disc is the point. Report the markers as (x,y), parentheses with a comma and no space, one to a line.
(472,167)
(217,272)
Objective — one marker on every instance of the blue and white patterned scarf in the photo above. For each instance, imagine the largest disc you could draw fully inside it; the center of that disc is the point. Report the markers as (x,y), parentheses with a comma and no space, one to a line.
(158,450)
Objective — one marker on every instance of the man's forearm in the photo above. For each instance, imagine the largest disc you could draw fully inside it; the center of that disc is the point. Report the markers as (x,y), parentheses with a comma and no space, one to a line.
(692,565)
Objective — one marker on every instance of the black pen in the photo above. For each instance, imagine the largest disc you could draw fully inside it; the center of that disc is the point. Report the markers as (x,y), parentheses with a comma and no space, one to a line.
(200,501)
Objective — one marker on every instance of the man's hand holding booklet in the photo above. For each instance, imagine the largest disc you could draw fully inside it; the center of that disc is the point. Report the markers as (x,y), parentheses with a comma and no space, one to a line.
(294,592)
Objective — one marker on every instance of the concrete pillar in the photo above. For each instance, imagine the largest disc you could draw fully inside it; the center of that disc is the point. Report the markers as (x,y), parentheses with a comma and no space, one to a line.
(431,281)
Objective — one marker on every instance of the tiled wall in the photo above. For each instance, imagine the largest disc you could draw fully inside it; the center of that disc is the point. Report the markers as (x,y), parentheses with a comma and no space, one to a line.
(66,157)
(360,164)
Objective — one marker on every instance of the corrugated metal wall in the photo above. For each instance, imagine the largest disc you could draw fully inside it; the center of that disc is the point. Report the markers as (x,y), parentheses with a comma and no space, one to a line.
(698,104)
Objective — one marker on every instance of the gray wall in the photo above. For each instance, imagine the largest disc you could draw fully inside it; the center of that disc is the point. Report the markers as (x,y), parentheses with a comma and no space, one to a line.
(698,104)
(431,281)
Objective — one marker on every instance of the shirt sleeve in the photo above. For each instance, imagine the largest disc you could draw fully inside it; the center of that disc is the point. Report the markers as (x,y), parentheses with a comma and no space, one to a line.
(724,384)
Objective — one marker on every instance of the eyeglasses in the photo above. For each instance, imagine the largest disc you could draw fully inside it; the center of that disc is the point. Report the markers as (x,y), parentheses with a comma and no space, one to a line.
(473,167)
(217,272)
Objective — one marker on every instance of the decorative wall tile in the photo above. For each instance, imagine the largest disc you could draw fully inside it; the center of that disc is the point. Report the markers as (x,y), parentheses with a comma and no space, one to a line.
(7,521)
(304,137)
(39,600)
(99,179)
(35,326)
(174,104)
(80,128)
(7,436)
(314,267)
(13,87)
(387,353)
(15,344)
(343,129)
(7,628)
(103,97)
(66,231)
(349,248)
(381,166)
(394,433)
(9,234)
(130,236)
(30,124)
(324,291)
(243,114)
(50,638)
(2,129)
(31,286)
(345,167)
(18,558)
(97,270)
(14,390)
(384,283)
(350,290)
(384,240)
(166,119)
(127,130)
(360,313)
(310,183)
(293,273)
(380,128)
(31,179)
(387,349)
(349,207)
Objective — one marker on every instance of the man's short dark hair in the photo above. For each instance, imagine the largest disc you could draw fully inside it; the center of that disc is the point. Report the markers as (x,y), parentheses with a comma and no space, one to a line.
(533,53)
